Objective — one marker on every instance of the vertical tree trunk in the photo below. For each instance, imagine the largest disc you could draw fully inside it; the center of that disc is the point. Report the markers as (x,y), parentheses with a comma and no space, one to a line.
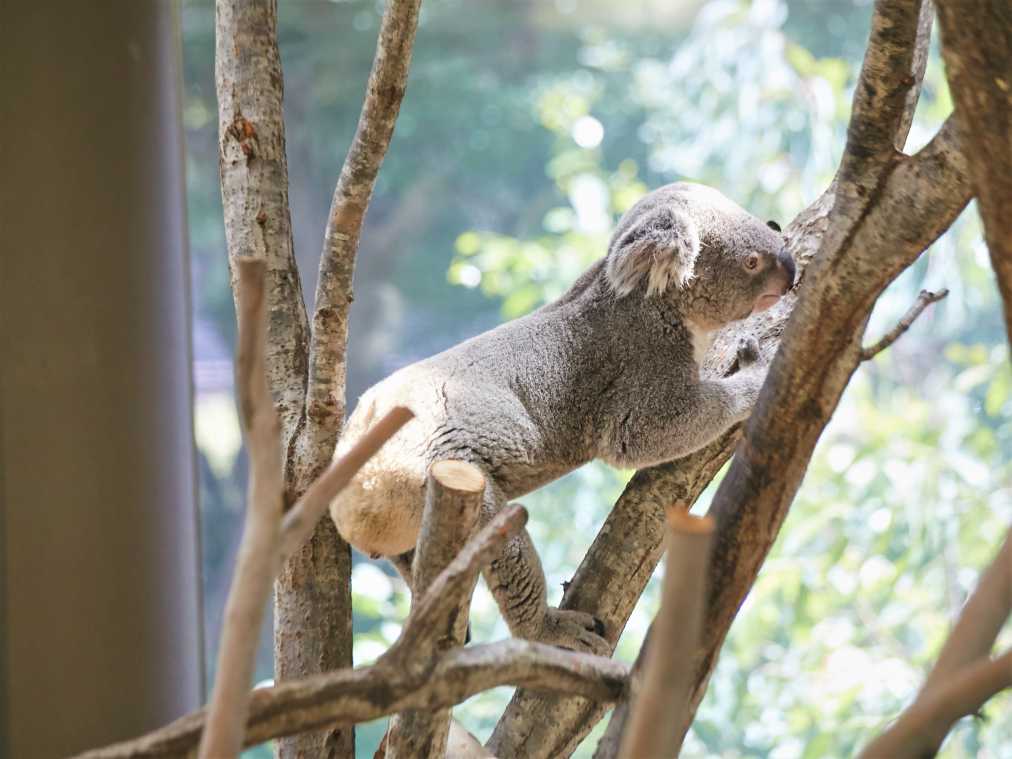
(312,606)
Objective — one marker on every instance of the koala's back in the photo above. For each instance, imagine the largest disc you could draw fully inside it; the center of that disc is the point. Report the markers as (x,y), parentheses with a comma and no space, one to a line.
(493,400)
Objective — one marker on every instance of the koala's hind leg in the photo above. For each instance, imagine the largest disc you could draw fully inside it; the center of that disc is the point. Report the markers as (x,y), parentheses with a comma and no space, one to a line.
(517,582)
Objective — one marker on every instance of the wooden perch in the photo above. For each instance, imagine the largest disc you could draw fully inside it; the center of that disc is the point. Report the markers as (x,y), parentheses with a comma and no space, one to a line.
(301,519)
(258,557)
(964,677)
(924,299)
(668,668)
(454,495)
(350,696)
(395,683)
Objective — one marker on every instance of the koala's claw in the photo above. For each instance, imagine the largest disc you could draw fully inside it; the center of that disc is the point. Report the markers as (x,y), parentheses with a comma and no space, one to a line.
(575,630)
(748,351)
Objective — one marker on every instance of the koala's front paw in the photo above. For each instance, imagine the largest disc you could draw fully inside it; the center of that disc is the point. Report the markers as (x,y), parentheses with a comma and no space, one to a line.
(748,351)
(575,630)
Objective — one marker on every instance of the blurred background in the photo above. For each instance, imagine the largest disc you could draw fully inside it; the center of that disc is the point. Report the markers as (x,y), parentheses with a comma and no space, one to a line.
(527,129)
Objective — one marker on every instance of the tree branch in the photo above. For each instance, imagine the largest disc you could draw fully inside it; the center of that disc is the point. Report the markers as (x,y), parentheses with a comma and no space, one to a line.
(924,299)
(977,48)
(351,696)
(888,86)
(454,495)
(980,621)
(258,556)
(963,677)
(453,586)
(254,188)
(401,681)
(668,667)
(325,402)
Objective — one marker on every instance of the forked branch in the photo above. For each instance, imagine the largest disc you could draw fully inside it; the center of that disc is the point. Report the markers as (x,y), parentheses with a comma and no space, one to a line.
(453,497)
(325,402)
(350,696)
(964,677)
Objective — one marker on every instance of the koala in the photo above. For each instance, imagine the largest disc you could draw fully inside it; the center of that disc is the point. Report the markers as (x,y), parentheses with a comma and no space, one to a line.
(608,371)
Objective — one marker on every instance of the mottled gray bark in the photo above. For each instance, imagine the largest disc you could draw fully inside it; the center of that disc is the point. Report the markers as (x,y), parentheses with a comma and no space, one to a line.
(454,494)
(977,48)
(312,609)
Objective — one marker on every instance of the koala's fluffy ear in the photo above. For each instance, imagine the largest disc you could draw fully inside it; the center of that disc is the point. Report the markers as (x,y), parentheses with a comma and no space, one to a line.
(661,245)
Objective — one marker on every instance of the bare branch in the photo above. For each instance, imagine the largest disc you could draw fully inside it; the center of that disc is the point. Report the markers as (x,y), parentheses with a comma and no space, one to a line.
(923,726)
(963,677)
(980,621)
(454,586)
(977,48)
(924,299)
(254,187)
(454,494)
(325,402)
(300,520)
(888,86)
(258,556)
(313,598)
(668,668)
(351,696)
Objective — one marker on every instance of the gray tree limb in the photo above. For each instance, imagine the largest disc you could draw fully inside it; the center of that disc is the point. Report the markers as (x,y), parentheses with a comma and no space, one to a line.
(964,676)
(667,669)
(400,681)
(325,401)
(453,498)
(977,48)
(258,556)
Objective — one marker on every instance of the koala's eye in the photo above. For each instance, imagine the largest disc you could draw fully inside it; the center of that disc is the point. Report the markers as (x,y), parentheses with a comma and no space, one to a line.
(773,225)
(752,261)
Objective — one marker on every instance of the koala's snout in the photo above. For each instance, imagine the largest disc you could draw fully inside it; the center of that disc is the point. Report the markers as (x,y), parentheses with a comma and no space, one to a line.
(785,262)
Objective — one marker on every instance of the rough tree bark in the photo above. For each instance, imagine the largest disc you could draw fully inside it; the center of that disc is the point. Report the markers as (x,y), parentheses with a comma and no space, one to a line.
(453,499)
(312,609)
(977,48)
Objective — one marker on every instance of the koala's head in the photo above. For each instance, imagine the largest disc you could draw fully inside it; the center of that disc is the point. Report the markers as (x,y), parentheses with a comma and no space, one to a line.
(688,243)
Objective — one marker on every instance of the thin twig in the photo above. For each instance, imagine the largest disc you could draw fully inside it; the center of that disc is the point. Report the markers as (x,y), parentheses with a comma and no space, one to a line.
(658,709)
(300,520)
(924,299)
(258,558)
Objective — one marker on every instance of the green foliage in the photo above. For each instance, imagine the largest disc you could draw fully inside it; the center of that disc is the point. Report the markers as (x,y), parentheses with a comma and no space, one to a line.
(525,134)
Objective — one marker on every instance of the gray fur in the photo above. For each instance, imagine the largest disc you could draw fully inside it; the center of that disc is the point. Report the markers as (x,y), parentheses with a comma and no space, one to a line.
(608,371)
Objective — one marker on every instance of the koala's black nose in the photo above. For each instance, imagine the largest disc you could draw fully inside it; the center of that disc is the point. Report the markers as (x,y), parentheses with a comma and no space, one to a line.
(789,268)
